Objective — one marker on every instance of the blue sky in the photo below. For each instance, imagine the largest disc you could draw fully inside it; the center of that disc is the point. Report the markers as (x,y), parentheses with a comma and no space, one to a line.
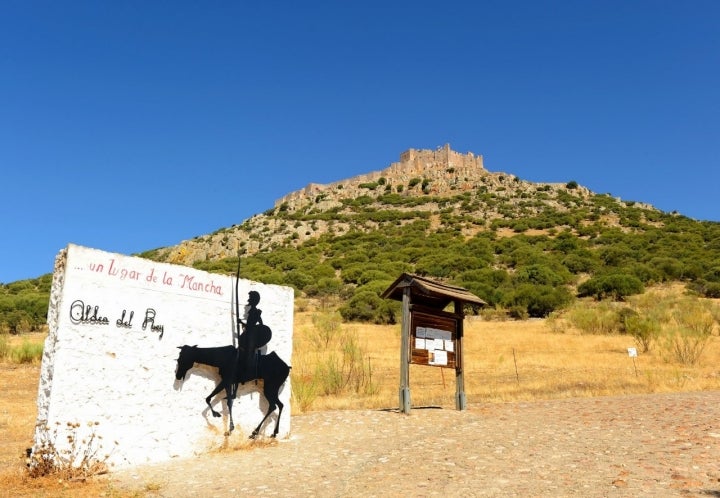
(127,126)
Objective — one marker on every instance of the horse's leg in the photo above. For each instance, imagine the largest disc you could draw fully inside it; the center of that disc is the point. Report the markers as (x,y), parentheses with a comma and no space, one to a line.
(277,422)
(284,371)
(230,395)
(271,409)
(271,392)
(217,389)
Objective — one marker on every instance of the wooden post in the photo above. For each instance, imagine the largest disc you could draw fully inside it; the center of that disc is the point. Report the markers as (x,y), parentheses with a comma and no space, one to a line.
(460,402)
(405,353)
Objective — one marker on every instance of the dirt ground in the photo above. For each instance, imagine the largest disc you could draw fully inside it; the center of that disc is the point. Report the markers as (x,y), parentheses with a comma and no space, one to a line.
(637,445)
(663,444)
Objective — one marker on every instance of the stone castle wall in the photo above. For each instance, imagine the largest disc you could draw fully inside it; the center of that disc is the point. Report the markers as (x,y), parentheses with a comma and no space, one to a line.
(443,166)
(422,161)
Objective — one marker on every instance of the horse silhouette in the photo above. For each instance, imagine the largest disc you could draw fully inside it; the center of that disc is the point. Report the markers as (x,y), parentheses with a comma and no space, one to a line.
(271,369)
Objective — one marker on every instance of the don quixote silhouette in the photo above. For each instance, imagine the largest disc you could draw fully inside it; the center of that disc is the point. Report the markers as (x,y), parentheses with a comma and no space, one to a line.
(237,365)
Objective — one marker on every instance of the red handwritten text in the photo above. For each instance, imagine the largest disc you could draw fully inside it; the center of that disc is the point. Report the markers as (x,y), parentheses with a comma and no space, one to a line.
(189,282)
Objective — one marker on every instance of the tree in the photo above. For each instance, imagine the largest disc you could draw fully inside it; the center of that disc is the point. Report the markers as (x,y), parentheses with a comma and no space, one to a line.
(367,306)
(538,300)
(540,275)
(616,286)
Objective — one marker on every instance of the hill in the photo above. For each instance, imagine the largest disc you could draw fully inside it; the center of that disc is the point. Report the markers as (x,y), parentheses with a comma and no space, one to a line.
(444,186)
(526,248)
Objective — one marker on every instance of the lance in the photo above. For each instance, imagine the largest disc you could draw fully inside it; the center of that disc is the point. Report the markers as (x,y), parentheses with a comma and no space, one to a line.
(237,299)
(237,324)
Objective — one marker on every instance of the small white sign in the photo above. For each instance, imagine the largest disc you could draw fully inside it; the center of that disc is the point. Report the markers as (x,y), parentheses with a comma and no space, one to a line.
(632,352)
(440,358)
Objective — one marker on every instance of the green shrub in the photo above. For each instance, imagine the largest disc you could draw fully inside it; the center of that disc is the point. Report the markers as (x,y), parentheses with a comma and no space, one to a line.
(644,330)
(27,352)
(414,181)
(324,287)
(616,286)
(685,344)
(579,262)
(536,301)
(326,328)
(691,329)
(4,347)
(345,371)
(298,279)
(367,306)
(540,275)
(304,391)
(710,290)
(598,319)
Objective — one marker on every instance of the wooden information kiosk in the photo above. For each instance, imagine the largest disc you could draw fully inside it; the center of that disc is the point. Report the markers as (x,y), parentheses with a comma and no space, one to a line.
(430,335)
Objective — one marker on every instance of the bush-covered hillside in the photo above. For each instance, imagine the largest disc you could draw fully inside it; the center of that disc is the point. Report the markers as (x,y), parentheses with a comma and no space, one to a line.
(527,249)
(24,304)
(527,272)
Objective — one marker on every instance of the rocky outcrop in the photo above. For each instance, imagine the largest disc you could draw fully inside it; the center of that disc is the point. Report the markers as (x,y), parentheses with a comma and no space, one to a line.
(429,171)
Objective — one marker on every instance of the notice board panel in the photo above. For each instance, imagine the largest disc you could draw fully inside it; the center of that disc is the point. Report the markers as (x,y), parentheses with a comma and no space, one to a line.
(433,338)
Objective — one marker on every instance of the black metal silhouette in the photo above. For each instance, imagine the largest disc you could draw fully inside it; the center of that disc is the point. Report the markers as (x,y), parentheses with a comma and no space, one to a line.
(254,336)
(271,369)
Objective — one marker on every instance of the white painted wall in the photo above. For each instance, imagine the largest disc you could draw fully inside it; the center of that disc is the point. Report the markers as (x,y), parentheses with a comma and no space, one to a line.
(119,381)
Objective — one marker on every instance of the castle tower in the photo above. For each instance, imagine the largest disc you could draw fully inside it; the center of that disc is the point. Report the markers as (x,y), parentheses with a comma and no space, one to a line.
(443,166)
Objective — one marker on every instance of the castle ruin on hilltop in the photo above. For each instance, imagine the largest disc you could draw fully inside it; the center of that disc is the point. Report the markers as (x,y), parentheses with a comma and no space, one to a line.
(442,167)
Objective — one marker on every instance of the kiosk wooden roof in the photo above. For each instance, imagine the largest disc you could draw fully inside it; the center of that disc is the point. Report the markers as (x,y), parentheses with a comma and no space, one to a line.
(430,293)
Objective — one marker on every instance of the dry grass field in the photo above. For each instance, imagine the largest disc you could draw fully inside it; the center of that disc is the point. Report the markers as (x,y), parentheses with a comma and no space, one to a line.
(504,361)
(514,361)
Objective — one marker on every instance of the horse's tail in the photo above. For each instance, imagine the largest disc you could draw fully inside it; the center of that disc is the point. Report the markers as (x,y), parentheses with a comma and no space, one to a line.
(272,362)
